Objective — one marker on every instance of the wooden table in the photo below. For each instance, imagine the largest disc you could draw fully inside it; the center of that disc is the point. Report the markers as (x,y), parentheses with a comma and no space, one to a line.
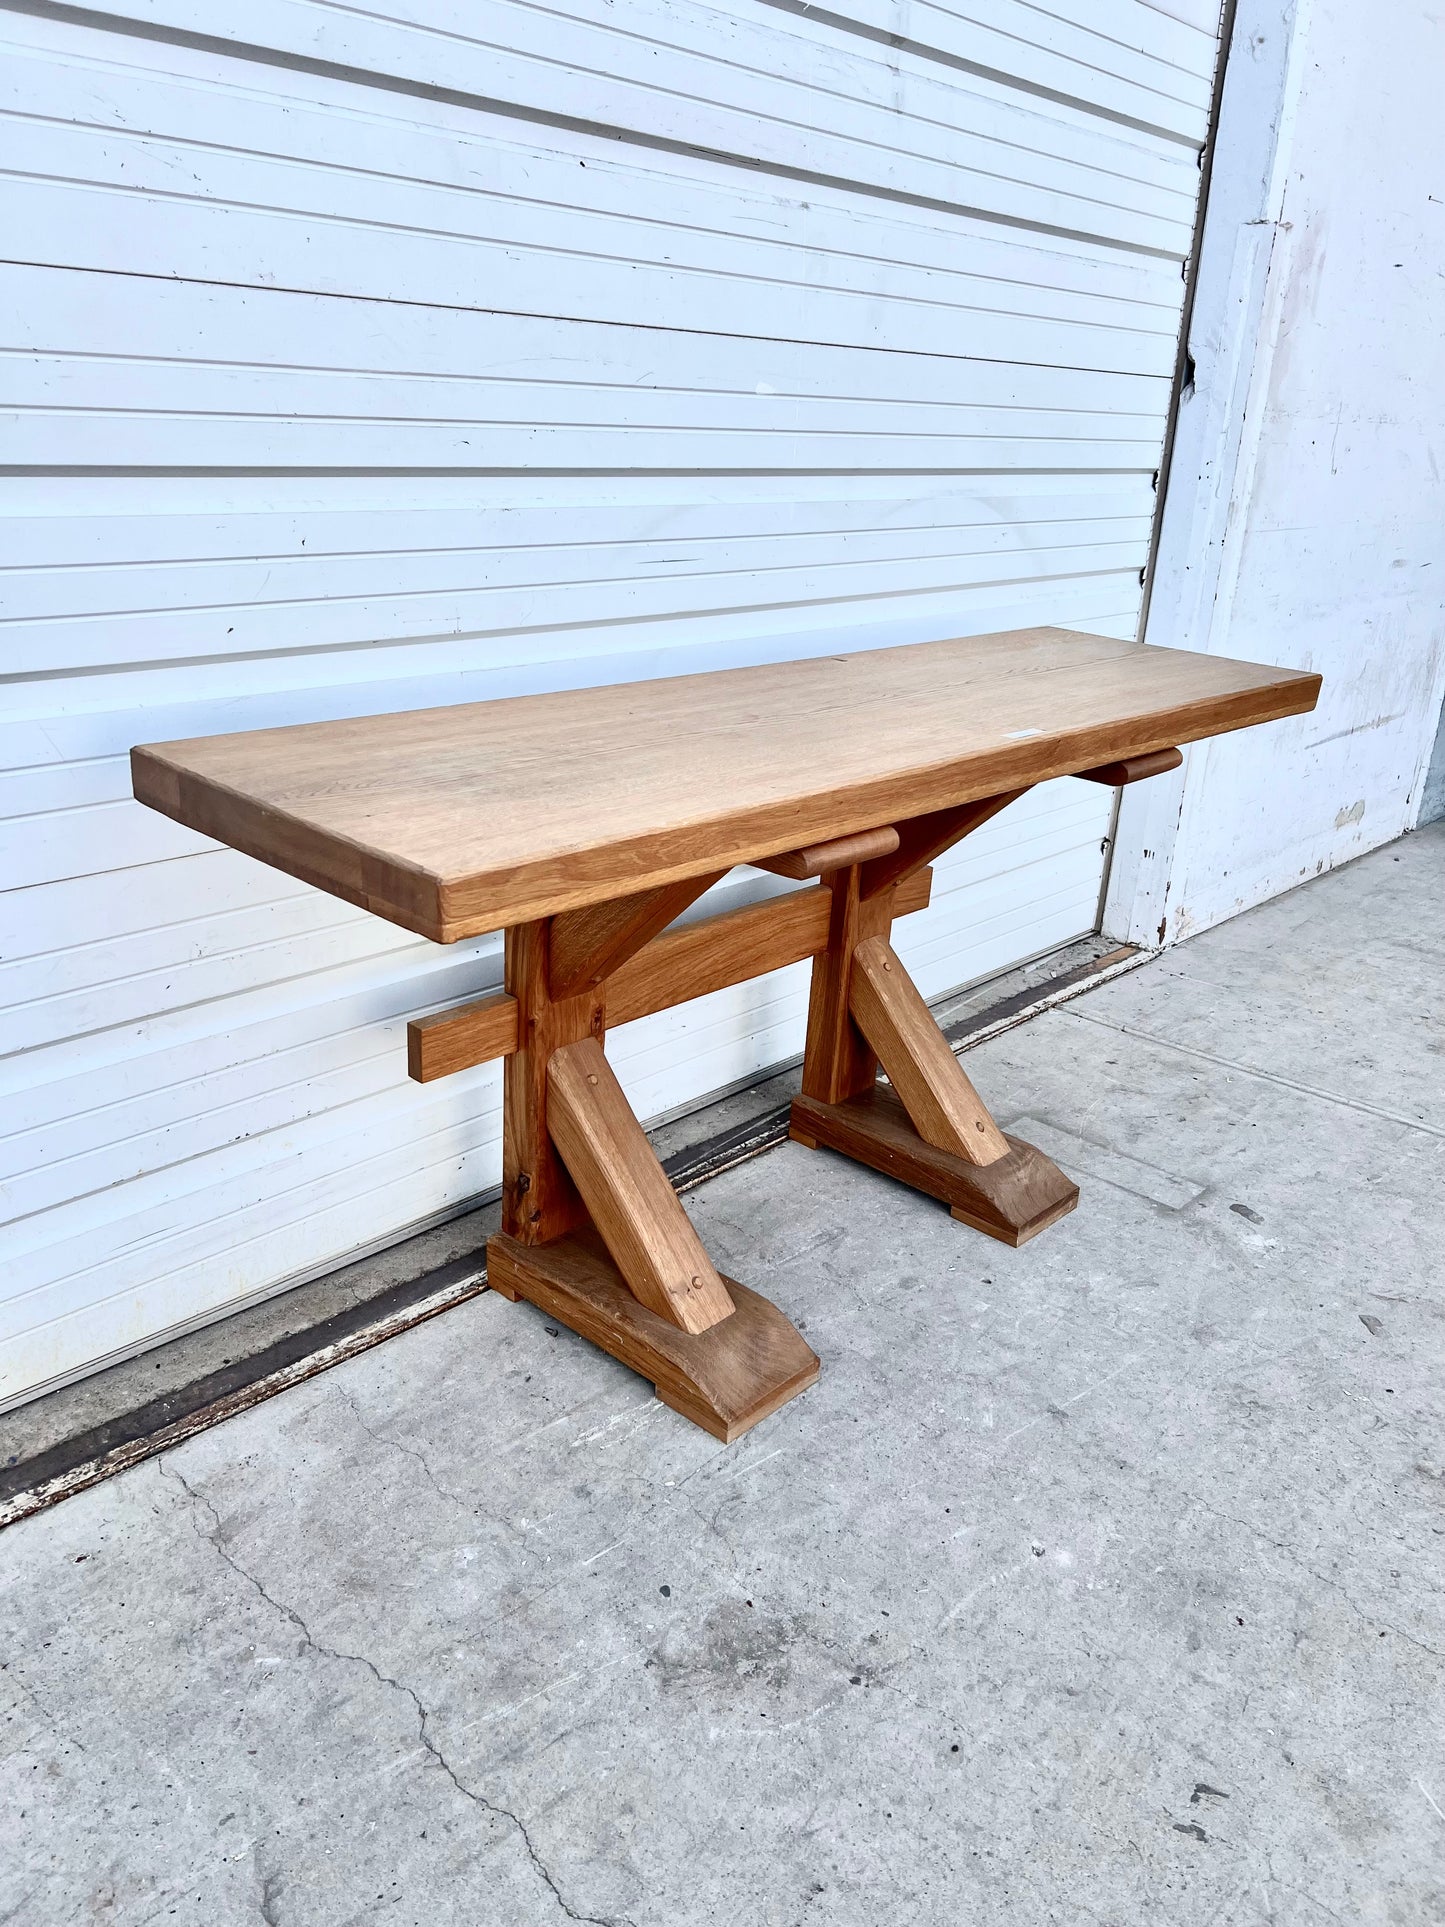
(583,823)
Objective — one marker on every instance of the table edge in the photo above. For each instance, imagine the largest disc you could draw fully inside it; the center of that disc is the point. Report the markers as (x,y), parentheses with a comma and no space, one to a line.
(449,909)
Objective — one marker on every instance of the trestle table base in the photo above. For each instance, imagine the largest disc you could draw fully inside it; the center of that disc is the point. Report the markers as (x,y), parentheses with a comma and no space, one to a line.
(1012,1199)
(724,1379)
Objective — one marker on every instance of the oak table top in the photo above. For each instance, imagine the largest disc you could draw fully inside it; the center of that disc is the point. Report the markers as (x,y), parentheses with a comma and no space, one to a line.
(470,818)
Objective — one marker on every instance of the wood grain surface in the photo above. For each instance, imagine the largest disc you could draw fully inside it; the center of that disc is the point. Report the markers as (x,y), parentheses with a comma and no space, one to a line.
(724,1379)
(459,820)
(539,1199)
(1133,769)
(588,945)
(686,962)
(925,837)
(944,1108)
(626,1191)
(819,858)
(1013,1199)
(837,1060)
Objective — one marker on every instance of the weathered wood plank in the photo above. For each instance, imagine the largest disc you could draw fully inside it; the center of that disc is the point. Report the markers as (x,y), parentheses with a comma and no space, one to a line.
(479,816)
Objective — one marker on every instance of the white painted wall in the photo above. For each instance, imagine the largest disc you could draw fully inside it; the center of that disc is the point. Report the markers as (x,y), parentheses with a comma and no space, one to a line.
(360,358)
(1304,520)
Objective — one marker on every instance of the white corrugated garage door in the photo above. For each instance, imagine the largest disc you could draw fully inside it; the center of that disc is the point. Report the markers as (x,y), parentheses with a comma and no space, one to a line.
(360,358)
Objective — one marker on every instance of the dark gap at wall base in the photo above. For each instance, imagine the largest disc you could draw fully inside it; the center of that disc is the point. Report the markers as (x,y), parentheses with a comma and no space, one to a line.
(147,1429)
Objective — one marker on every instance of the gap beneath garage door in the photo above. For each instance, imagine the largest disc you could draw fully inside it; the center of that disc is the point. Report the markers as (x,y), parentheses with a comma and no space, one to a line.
(74,1437)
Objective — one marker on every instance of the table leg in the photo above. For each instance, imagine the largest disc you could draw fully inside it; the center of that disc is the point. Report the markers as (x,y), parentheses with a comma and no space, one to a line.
(594,1234)
(539,1199)
(837,1062)
(931,1129)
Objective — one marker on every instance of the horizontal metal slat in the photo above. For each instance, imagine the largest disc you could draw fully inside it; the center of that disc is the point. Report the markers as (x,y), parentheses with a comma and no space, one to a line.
(771,91)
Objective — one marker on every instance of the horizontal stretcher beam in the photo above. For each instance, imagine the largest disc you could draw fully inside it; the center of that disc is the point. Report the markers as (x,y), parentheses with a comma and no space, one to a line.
(680,964)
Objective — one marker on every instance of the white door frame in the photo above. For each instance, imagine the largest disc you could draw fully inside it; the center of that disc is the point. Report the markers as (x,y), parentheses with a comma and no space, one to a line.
(1228,338)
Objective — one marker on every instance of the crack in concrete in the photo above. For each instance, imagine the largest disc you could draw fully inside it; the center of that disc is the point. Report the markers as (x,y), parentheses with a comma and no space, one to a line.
(1320,1578)
(1290,1888)
(49,1723)
(407,1451)
(270,1885)
(214,1538)
(709,1523)
(18,1911)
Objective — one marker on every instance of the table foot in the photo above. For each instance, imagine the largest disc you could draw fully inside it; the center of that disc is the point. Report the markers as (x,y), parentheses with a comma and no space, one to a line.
(1013,1199)
(724,1379)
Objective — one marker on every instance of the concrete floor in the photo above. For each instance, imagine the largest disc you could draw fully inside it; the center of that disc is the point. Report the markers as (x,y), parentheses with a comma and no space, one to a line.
(1096,1582)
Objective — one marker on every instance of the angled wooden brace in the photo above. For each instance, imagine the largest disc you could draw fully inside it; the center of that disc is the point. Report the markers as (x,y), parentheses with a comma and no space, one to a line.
(838,1062)
(947,1112)
(928,1127)
(923,838)
(627,1193)
(592,1231)
(588,945)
